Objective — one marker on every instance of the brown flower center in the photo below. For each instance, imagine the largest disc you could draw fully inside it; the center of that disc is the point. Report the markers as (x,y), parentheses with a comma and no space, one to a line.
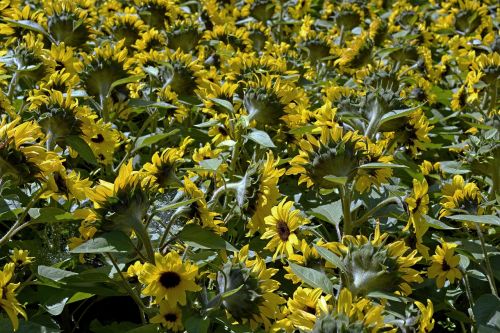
(446,267)
(283,230)
(171,317)
(170,279)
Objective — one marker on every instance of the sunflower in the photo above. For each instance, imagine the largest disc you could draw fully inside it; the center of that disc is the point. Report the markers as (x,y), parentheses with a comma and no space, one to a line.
(107,64)
(426,322)
(14,33)
(123,203)
(134,271)
(270,100)
(169,278)
(354,315)
(357,55)
(161,170)
(337,153)
(256,302)
(377,266)
(415,133)
(184,73)
(459,196)
(418,206)
(150,39)
(125,25)
(169,317)
(23,158)
(184,34)
(198,211)
(8,301)
(445,264)
(368,177)
(305,307)
(156,13)
(66,184)
(309,257)
(69,23)
(21,257)
(281,228)
(263,193)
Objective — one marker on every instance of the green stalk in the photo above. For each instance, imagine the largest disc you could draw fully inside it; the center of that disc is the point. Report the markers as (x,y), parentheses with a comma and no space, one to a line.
(489,270)
(345,197)
(19,223)
(127,286)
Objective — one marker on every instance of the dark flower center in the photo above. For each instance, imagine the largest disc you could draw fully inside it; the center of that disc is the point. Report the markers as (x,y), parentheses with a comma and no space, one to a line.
(283,230)
(98,139)
(446,267)
(171,317)
(170,279)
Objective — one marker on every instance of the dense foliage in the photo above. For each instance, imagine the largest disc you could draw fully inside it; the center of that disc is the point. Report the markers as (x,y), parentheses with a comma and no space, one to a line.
(249,166)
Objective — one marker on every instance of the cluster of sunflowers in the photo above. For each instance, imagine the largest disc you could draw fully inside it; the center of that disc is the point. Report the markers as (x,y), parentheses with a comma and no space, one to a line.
(249,166)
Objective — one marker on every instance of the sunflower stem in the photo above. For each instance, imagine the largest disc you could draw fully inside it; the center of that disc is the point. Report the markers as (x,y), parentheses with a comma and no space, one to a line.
(127,286)
(373,125)
(17,226)
(489,270)
(468,292)
(345,196)
(368,214)
(12,86)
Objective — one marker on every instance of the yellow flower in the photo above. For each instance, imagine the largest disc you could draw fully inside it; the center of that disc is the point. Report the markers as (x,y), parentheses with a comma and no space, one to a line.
(198,211)
(169,278)
(426,319)
(20,258)
(418,207)
(170,316)
(368,177)
(267,194)
(445,264)
(459,196)
(8,301)
(281,228)
(306,306)
(336,153)
(134,271)
(257,301)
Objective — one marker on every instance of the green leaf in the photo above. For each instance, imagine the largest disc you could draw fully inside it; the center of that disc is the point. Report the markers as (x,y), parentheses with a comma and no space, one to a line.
(331,212)
(111,242)
(484,219)
(302,130)
(381,166)
(436,224)
(312,277)
(30,25)
(82,148)
(142,103)
(453,167)
(197,324)
(487,312)
(177,205)
(201,238)
(50,214)
(397,114)
(331,257)
(211,164)
(225,104)
(130,79)
(336,180)
(150,139)
(261,138)
(54,274)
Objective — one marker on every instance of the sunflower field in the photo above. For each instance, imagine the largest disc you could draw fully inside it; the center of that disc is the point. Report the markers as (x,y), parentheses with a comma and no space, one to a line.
(210,166)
